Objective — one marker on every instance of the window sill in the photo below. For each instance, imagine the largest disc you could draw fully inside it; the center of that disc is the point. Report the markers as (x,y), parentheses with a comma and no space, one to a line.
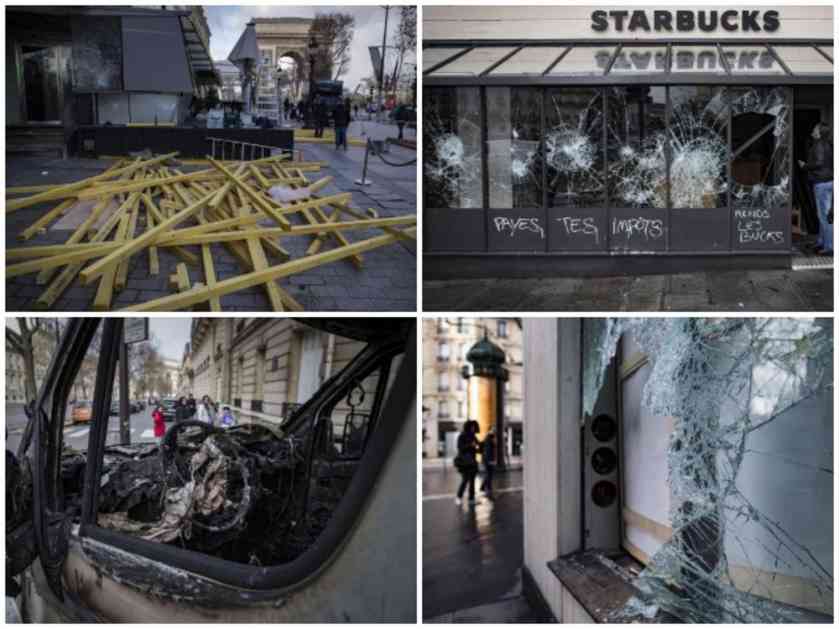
(598,587)
(602,584)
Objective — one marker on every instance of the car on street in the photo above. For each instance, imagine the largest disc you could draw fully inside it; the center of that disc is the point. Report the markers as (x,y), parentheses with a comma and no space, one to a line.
(81,411)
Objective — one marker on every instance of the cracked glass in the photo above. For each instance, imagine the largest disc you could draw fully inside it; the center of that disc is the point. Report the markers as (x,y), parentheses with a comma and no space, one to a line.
(749,465)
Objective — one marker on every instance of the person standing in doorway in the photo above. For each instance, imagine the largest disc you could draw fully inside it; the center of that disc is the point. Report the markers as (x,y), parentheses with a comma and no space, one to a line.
(488,453)
(466,460)
(819,167)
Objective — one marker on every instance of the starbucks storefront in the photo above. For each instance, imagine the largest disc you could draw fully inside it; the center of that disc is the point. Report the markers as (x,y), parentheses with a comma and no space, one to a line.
(584,140)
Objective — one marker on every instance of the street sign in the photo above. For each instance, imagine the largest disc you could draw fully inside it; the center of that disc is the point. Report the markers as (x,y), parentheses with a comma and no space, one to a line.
(135,330)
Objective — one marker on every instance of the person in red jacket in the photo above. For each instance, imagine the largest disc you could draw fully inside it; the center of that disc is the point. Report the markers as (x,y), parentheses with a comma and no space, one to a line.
(159,423)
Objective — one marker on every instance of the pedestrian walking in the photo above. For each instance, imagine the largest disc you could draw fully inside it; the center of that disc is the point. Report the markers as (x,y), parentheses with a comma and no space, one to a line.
(819,168)
(159,423)
(466,460)
(342,121)
(191,407)
(488,453)
(207,411)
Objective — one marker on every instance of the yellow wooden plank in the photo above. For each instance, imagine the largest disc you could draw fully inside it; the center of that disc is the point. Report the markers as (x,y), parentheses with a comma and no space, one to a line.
(40,226)
(339,237)
(132,246)
(154,259)
(105,291)
(80,232)
(210,276)
(122,269)
(260,263)
(261,202)
(255,278)
(74,189)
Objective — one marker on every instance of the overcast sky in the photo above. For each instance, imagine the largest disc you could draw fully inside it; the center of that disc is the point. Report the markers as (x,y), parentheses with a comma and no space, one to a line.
(228,23)
(172,335)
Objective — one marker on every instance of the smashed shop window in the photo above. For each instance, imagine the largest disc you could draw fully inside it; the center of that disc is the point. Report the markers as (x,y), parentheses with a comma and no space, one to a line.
(452,148)
(617,146)
(749,465)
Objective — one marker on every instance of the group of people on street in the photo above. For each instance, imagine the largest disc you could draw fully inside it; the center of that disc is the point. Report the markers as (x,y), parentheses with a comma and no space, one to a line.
(466,461)
(186,408)
(341,117)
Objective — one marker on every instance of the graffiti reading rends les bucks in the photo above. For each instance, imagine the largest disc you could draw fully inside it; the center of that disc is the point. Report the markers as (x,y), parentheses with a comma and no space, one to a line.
(521,224)
(751,227)
(686,21)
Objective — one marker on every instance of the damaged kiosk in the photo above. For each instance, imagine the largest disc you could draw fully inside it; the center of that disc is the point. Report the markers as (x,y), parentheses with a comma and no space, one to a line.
(575,140)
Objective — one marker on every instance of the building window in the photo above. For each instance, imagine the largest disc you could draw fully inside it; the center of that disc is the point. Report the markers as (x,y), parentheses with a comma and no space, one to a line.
(502,329)
(443,381)
(461,384)
(460,325)
(443,409)
(461,410)
(443,352)
(442,326)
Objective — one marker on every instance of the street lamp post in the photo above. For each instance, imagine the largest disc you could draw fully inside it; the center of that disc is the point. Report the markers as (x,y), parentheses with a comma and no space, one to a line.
(310,107)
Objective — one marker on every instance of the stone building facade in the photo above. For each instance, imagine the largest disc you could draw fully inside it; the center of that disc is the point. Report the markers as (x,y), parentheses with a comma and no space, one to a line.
(445,394)
(261,367)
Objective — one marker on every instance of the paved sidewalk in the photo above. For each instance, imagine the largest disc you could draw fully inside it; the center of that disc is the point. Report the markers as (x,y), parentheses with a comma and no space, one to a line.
(472,556)
(729,291)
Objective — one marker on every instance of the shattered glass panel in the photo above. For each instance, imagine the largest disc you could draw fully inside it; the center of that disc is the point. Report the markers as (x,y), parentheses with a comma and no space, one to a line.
(636,144)
(452,147)
(530,60)
(804,60)
(703,59)
(698,147)
(585,60)
(573,146)
(640,60)
(514,122)
(97,53)
(760,139)
(474,62)
(750,465)
(751,60)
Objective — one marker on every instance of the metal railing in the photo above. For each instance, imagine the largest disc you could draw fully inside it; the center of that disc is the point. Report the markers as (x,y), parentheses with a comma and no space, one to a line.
(239,150)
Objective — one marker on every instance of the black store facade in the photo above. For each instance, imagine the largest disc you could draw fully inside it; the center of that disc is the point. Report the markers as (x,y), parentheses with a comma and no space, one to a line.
(592,140)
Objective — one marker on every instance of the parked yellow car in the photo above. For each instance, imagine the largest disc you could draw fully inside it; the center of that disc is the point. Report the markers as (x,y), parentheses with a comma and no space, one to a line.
(81,412)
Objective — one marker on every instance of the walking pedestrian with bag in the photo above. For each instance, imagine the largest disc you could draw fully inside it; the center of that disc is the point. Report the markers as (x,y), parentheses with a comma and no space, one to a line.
(466,460)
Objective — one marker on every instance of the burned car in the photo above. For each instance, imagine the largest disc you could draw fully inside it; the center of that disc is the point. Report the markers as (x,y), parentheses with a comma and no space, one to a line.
(263,521)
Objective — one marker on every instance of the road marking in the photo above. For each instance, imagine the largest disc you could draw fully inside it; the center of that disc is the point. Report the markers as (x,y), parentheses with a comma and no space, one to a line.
(81,432)
(506,490)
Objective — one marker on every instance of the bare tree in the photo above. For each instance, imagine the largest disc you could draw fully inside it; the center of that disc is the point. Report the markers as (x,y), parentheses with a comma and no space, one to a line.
(22,342)
(334,32)
(406,45)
